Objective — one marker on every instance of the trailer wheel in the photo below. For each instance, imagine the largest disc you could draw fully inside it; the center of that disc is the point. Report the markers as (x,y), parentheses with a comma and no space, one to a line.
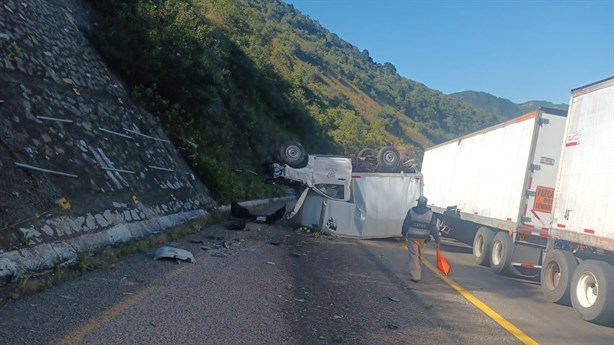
(481,246)
(556,273)
(293,154)
(366,159)
(501,253)
(366,153)
(388,158)
(592,291)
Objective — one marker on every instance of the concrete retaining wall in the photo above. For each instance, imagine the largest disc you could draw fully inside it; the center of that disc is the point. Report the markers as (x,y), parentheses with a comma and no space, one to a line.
(81,166)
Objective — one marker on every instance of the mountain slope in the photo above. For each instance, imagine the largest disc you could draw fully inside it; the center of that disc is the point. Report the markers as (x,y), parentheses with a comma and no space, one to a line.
(231,80)
(501,106)
(338,76)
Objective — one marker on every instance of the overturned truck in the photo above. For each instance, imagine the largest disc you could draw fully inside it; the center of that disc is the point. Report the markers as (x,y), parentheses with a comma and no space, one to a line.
(362,197)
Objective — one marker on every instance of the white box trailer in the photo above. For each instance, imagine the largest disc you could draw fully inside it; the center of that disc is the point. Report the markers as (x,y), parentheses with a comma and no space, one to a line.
(578,265)
(376,208)
(493,189)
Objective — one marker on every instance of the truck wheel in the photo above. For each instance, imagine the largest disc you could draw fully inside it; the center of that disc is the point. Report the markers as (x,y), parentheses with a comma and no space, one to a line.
(592,291)
(366,153)
(293,154)
(366,159)
(501,253)
(556,273)
(481,246)
(388,158)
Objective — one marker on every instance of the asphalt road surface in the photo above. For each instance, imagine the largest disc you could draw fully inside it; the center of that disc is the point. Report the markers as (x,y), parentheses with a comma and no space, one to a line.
(273,284)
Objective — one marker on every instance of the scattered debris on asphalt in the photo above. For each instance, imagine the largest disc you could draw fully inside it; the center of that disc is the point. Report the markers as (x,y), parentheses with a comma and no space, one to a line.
(174,253)
(393,298)
(220,247)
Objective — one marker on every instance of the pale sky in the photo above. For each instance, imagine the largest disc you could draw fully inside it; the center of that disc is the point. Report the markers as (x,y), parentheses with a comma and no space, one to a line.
(520,50)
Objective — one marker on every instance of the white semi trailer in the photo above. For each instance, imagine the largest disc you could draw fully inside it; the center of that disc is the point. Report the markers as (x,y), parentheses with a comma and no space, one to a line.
(493,189)
(578,266)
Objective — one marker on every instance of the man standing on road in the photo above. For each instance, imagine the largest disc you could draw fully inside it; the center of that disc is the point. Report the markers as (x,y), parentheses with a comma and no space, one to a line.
(418,226)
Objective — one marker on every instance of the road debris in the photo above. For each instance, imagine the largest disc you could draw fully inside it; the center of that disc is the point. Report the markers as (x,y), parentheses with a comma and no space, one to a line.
(174,253)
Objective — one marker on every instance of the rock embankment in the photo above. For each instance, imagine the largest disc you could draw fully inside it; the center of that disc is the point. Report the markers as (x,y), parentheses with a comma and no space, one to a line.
(81,166)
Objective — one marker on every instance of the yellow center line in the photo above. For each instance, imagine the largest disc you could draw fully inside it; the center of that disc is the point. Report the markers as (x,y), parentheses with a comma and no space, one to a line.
(77,335)
(520,335)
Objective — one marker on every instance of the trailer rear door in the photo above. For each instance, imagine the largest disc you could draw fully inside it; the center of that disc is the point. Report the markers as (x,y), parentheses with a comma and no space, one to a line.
(536,213)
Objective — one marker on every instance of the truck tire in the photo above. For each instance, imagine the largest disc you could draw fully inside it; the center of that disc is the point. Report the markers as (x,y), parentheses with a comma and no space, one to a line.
(481,246)
(501,253)
(557,270)
(293,154)
(592,291)
(366,159)
(366,153)
(388,158)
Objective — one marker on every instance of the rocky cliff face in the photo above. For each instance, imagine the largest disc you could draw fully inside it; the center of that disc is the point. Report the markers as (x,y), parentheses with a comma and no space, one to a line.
(81,167)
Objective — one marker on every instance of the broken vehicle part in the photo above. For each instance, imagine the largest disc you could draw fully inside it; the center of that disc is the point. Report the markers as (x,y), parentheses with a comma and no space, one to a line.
(174,253)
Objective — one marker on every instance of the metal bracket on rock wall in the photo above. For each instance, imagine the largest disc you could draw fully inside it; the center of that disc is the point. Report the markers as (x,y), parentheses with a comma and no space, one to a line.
(45,170)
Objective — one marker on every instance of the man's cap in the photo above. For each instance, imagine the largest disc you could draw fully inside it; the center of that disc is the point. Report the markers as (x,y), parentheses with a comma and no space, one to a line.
(422,200)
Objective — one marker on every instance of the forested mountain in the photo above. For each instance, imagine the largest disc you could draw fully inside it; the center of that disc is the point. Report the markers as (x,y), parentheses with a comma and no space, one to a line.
(230,80)
(501,106)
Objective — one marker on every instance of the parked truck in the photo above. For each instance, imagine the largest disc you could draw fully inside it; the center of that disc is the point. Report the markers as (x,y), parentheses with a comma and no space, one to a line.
(363,197)
(493,189)
(578,266)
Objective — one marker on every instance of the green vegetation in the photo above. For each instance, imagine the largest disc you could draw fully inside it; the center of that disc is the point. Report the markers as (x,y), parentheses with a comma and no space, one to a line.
(231,80)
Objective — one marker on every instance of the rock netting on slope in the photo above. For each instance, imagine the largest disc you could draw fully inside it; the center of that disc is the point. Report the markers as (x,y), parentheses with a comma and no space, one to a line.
(80,165)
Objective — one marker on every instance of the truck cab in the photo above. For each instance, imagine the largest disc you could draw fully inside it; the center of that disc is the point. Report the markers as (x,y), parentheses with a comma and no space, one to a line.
(331,175)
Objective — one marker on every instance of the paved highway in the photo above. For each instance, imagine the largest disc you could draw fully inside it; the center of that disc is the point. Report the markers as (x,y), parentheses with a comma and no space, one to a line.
(272,284)
(517,301)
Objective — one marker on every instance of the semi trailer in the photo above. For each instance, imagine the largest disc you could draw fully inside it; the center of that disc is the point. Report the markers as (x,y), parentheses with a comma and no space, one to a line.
(578,267)
(493,189)
(560,187)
